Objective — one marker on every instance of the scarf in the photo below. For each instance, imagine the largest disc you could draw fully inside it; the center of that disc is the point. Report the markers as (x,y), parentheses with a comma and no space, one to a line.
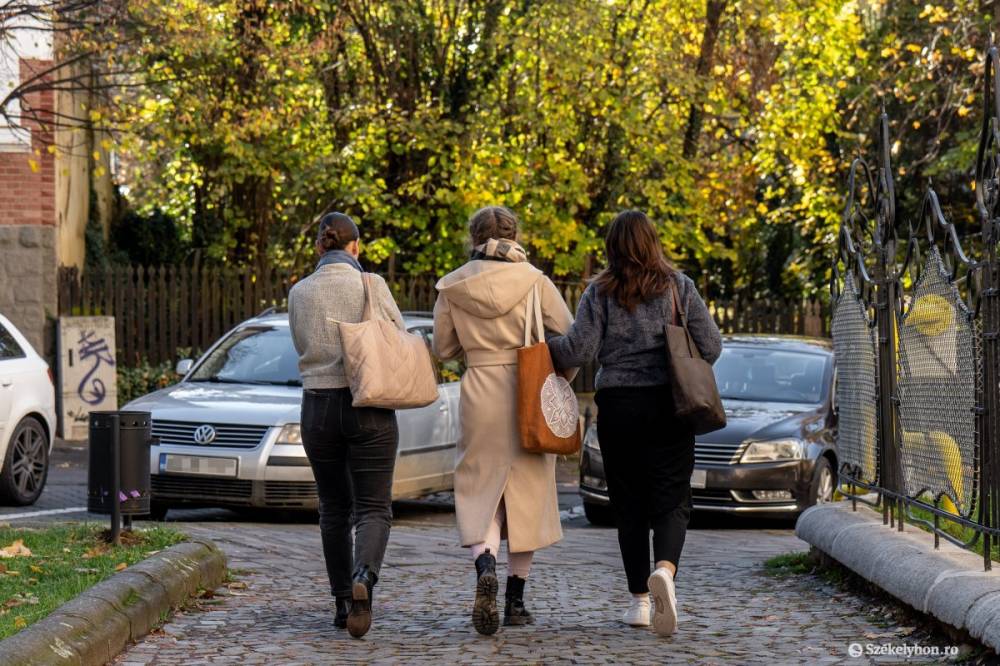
(339,257)
(500,250)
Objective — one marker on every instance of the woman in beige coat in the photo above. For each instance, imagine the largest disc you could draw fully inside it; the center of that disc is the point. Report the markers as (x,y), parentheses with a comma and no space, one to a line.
(499,488)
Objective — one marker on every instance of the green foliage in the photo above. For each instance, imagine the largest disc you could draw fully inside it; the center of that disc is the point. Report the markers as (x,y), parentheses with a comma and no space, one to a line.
(141,378)
(246,119)
(152,239)
(65,560)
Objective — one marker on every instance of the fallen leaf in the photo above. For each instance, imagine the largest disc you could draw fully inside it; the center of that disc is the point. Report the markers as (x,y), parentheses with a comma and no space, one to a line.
(35,568)
(237,585)
(13,573)
(85,570)
(20,623)
(99,549)
(16,549)
(3,568)
(121,566)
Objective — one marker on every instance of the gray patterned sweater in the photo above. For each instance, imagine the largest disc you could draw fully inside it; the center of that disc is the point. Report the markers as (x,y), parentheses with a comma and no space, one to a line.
(630,346)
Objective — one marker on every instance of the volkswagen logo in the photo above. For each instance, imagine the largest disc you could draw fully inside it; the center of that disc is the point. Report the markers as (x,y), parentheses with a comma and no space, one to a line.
(204,434)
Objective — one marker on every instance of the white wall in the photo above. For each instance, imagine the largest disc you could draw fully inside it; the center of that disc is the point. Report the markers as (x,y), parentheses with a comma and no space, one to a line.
(25,38)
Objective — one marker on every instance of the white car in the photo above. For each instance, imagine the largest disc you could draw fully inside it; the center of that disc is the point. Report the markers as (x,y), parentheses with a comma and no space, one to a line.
(27,418)
(228,433)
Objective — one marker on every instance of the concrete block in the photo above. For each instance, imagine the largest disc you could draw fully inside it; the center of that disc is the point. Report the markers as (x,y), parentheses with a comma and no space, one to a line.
(30,236)
(948,583)
(95,626)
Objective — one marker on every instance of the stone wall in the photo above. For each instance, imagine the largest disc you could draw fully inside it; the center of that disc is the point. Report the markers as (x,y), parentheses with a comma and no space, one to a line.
(28,282)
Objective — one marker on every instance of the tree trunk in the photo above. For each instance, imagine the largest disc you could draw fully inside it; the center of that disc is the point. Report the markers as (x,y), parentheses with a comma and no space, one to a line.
(706,58)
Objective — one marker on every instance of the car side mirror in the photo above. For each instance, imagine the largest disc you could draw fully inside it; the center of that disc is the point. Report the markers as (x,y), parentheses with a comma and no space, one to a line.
(184,366)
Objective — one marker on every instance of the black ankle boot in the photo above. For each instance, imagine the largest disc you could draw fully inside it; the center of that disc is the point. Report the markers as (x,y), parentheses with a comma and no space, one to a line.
(343,608)
(514,612)
(359,620)
(485,617)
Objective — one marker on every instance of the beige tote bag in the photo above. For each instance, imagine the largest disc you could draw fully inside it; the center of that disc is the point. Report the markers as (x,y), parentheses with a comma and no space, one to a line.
(386,367)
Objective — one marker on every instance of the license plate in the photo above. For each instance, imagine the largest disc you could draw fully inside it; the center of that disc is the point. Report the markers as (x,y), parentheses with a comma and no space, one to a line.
(698,478)
(171,463)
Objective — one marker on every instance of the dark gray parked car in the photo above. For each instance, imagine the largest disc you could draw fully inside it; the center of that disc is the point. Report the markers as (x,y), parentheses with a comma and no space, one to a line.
(776,456)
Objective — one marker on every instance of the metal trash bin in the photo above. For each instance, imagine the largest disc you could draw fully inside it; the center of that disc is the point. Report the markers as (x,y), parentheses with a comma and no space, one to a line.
(134,437)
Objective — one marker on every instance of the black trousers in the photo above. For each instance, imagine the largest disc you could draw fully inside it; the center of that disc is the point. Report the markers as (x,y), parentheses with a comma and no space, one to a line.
(353,454)
(648,459)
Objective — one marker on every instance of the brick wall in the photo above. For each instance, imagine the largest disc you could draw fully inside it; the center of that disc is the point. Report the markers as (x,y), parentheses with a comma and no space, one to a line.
(28,263)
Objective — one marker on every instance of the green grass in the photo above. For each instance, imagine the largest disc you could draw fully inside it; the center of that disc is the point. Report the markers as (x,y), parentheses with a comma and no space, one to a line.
(65,560)
(954,529)
(789,564)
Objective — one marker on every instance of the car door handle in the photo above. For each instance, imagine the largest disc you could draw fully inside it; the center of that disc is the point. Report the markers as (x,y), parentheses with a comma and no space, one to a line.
(6,382)
(443,407)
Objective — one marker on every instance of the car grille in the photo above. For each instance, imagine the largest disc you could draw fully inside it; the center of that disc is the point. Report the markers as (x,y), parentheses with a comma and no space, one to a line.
(707,453)
(201,488)
(289,493)
(708,496)
(226,434)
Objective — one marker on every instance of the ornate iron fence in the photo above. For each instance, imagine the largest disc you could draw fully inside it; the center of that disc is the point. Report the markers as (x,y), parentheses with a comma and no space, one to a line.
(916,333)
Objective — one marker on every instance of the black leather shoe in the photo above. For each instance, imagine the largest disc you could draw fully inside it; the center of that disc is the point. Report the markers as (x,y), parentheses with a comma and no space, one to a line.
(485,617)
(359,619)
(343,608)
(514,612)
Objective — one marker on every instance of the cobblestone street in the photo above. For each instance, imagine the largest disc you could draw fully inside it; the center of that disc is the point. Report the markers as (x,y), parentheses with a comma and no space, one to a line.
(732,611)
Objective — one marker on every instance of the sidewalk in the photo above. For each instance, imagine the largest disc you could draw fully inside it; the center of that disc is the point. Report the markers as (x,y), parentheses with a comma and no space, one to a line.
(732,612)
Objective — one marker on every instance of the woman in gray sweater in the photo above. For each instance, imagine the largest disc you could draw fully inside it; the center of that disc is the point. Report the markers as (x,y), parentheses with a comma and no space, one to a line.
(648,452)
(352,450)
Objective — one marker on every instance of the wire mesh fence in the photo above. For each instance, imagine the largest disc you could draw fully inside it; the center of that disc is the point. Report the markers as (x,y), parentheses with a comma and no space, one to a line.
(917,347)
(854,348)
(939,356)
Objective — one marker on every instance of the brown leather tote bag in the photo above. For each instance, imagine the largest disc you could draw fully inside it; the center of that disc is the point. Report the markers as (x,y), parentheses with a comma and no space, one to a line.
(692,382)
(386,367)
(547,409)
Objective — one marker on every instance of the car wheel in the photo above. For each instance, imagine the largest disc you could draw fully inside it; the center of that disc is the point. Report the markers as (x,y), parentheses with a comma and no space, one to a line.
(26,466)
(157,512)
(598,514)
(823,484)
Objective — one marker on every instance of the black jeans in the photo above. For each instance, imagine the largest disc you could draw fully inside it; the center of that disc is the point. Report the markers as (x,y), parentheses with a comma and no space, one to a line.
(648,459)
(353,454)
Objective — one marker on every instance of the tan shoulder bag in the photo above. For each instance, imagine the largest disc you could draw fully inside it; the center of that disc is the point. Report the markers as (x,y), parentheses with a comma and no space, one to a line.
(386,367)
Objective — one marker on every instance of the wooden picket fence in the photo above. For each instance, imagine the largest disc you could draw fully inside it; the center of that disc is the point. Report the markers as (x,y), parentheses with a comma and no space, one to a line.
(160,309)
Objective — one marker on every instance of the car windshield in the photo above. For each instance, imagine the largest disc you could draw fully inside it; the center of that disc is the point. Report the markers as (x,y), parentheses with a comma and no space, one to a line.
(253,355)
(770,375)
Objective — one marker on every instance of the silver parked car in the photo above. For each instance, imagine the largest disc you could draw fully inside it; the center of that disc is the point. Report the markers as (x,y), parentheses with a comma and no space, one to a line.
(229,431)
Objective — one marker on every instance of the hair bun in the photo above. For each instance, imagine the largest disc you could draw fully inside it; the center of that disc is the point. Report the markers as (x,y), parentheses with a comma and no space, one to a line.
(336,230)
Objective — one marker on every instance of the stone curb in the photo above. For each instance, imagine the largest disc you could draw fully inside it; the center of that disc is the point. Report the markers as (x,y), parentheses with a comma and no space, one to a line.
(948,583)
(98,624)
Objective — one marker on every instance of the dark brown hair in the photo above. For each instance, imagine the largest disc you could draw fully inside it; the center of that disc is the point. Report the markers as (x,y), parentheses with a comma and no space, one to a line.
(336,231)
(492,222)
(637,269)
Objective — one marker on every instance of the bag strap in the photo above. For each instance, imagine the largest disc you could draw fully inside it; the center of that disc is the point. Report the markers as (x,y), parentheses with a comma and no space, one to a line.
(366,281)
(533,311)
(679,310)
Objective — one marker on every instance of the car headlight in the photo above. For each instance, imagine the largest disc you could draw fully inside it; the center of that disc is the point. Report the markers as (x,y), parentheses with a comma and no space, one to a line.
(290,434)
(773,450)
(590,439)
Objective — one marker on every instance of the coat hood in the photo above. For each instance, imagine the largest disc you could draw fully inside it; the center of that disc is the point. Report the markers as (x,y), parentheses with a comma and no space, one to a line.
(488,289)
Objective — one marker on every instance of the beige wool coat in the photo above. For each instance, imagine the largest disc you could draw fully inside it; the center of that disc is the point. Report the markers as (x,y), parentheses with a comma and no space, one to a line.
(480,313)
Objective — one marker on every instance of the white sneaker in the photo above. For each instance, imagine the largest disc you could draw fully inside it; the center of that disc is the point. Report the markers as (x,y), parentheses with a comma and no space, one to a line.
(637,614)
(661,587)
